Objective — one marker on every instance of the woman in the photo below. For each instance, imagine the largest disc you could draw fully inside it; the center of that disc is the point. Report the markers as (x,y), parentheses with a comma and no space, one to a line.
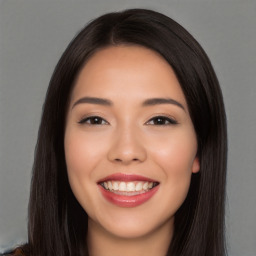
(131,151)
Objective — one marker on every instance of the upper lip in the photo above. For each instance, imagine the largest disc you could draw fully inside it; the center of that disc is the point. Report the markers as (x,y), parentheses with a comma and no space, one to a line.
(126,177)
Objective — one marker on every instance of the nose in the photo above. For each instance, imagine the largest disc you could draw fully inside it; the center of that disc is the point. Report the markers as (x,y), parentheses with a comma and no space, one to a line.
(127,147)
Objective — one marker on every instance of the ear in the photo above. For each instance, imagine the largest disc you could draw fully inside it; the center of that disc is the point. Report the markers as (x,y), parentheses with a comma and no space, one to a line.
(196,165)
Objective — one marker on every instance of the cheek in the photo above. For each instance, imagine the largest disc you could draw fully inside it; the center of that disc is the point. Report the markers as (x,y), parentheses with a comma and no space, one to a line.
(176,153)
(82,157)
(74,154)
(176,156)
(177,166)
(82,152)
(176,162)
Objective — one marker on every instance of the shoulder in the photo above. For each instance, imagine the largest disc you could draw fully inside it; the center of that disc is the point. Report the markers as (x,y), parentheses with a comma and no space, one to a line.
(16,252)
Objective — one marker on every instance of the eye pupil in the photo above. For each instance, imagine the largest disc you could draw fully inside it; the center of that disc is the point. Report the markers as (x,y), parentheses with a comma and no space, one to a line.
(96,120)
(159,120)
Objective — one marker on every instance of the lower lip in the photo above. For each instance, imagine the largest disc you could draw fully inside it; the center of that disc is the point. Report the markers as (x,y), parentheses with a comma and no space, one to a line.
(128,201)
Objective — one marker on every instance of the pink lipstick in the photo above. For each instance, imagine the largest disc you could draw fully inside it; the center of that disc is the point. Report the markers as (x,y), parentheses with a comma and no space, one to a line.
(127,190)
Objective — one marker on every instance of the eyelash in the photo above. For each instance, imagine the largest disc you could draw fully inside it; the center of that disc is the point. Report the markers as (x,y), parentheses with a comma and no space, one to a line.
(162,120)
(90,118)
(170,121)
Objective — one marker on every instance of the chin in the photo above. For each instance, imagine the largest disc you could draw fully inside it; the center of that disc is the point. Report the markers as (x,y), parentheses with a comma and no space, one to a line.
(132,224)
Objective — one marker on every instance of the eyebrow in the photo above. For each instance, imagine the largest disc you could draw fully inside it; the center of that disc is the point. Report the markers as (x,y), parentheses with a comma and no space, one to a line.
(93,100)
(148,102)
(157,101)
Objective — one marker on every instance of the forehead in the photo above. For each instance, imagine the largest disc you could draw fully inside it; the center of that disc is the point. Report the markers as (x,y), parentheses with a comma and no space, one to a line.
(125,56)
(126,70)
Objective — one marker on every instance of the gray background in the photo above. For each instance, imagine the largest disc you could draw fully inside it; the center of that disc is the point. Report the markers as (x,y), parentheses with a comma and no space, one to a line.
(33,34)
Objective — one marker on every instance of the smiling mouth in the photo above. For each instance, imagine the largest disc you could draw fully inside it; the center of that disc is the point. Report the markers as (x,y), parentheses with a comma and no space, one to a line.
(130,188)
(127,190)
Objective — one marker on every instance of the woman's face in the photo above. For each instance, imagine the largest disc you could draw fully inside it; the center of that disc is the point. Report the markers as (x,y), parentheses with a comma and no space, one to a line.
(130,144)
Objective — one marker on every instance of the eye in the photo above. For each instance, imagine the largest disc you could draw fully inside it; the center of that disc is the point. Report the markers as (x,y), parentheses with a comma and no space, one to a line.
(162,120)
(93,120)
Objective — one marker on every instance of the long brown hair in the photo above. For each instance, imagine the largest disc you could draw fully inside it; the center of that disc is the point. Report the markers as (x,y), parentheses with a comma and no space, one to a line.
(57,223)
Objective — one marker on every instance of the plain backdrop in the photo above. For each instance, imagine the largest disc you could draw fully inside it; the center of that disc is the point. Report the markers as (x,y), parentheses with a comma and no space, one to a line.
(33,35)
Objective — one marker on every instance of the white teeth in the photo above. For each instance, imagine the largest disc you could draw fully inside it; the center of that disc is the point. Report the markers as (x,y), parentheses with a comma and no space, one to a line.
(106,185)
(122,186)
(130,186)
(115,185)
(145,186)
(109,185)
(138,186)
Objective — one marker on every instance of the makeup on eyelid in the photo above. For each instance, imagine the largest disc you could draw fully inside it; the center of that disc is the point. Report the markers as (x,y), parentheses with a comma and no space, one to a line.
(157,120)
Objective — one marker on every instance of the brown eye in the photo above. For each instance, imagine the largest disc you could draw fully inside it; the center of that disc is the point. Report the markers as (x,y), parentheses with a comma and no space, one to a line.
(161,120)
(93,120)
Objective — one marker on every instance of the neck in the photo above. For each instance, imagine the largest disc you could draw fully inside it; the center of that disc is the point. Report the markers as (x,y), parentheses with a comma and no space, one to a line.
(102,243)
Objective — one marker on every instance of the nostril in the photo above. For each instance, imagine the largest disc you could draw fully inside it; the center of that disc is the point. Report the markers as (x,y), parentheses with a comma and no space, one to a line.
(120,160)
(125,154)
